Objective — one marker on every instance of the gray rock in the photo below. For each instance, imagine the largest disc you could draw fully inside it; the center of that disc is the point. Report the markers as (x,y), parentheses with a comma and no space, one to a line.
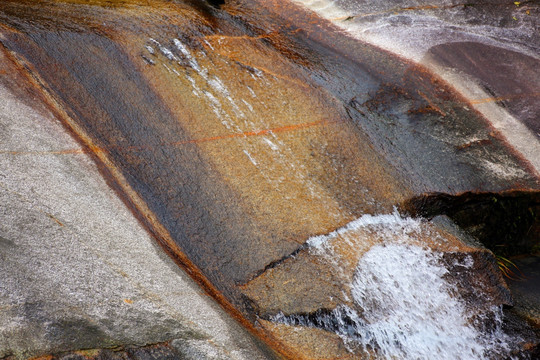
(197,350)
(487,51)
(77,269)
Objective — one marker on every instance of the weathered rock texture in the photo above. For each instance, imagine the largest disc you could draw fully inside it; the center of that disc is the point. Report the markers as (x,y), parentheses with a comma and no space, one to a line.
(78,271)
(236,133)
(489,52)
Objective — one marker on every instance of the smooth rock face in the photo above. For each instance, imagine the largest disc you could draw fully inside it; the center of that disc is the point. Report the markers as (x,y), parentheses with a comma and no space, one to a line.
(488,51)
(526,289)
(77,269)
(509,77)
(241,133)
(417,25)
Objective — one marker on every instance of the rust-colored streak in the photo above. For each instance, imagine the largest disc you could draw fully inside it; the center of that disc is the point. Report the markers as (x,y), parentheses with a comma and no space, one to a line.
(114,177)
(286,128)
(505,97)
(46,357)
(55,220)
(96,149)
(244,37)
(431,104)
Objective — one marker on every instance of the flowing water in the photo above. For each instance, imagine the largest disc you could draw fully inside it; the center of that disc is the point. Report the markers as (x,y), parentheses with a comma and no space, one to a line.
(398,303)
(404,305)
(413,312)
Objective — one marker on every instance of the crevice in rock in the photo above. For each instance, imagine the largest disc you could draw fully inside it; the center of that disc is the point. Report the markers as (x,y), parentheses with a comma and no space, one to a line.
(508,223)
(333,320)
(216,3)
(276,263)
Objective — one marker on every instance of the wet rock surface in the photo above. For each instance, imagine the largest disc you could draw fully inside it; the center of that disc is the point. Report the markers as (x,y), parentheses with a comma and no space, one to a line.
(483,49)
(525,288)
(417,25)
(508,77)
(78,271)
(238,134)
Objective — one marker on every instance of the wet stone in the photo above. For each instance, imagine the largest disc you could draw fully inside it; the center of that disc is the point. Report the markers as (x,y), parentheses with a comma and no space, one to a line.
(526,288)
(262,149)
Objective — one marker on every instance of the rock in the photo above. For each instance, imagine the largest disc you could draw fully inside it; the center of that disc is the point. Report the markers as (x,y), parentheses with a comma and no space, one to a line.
(197,349)
(78,270)
(507,223)
(525,288)
(512,84)
(310,342)
(332,259)
(242,137)
(487,51)
(216,2)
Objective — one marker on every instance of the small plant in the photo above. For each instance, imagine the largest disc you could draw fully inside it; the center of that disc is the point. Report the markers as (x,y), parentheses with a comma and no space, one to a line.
(506,266)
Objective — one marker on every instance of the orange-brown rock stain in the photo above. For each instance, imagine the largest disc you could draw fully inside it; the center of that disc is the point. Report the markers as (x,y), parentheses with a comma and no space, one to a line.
(233,155)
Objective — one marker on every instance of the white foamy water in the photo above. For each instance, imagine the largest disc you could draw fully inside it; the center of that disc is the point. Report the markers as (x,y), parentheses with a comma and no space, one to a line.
(404,306)
(390,227)
(411,312)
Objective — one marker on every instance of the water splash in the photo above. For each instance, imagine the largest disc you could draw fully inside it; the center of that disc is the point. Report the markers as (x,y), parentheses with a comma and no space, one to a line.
(392,227)
(403,306)
(411,312)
